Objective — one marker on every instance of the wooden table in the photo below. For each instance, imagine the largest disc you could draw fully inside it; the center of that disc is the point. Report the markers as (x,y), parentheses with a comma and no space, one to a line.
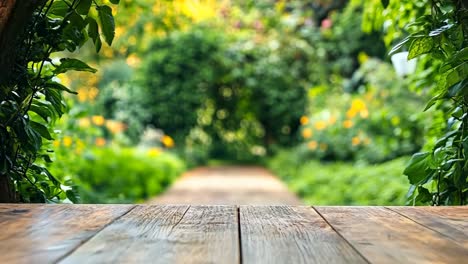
(232,234)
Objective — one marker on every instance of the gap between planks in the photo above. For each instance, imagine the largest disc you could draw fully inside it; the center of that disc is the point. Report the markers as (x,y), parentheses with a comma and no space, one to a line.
(305,213)
(336,231)
(85,241)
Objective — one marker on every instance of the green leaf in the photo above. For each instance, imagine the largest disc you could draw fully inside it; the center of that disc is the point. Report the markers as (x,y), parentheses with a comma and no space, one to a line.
(419,170)
(69,64)
(420,46)
(461,55)
(115,2)
(442,141)
(93,33)
(107,23)
(458,88)
(424,196)
(58,86)
(43,112)
(71,195)
(437,32)
(41,129)
(59,9)
(54,97)
(433,101)
(385,3)
(83,7)
(399,45)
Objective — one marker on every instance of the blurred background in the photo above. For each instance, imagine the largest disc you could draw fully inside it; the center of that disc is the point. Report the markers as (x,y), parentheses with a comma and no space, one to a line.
(294,86)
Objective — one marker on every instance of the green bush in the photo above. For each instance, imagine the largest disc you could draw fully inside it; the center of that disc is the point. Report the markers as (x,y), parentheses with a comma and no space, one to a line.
(177,74)
(114,175)
(379,121)
(232,90)
(342,183)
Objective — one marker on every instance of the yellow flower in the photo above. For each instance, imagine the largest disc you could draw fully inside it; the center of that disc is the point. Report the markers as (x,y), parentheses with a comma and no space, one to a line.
(92,93)
(167,141)
(355,141)
(323,146)
(320,125)
(133,60)
(307,133)
(98,120)
(67,141)
(115,126)
(312,145)
(82,94)
(56,143)
(79,146)
(304,120)
(84,122)
(153,152)
(358,105)
(364,113)
(348,124)
(351,113)
(119,31)
(332,120)
(100,141)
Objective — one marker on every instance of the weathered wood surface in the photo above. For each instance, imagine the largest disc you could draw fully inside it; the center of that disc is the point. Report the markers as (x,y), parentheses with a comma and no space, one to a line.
(166,234)
(384,236)
(228,185)
(231,234)
(284,234)
(451,222)
(46,233)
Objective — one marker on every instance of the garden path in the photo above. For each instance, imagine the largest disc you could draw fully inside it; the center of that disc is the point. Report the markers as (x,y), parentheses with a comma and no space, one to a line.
(228,185)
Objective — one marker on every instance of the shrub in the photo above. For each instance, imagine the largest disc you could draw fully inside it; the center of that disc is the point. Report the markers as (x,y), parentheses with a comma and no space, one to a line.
(341,183)
(119,175)
(377,122)
(177,75)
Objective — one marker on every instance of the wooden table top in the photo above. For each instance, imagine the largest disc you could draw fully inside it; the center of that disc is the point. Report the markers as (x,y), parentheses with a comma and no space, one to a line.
(232,234)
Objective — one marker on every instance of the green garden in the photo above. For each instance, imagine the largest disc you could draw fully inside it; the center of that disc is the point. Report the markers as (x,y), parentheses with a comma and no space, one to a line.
(108,101)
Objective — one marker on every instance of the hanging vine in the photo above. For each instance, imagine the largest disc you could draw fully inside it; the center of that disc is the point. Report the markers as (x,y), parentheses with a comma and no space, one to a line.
(31,98)
(438,35)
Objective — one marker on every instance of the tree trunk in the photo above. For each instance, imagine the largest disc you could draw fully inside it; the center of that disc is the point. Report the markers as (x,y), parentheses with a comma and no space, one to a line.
(14,16)
(7,190)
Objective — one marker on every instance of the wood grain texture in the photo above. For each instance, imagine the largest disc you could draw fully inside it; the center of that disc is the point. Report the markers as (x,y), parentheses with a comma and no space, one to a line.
(450,221)
(45,233)
(384,236)
(283,234)
(166,234)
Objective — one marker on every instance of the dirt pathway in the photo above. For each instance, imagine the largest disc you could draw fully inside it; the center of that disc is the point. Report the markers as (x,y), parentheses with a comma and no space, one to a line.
(228,185)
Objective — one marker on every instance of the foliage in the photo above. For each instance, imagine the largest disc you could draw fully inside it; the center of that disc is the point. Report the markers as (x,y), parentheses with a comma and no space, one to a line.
(377,122)
(117,175)
(338,183)
(232,90)
(31,101)
(440,29)
(343,40)
(179,72)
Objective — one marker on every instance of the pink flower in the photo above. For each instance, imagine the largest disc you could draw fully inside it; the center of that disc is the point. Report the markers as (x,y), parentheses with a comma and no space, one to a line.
(326,23)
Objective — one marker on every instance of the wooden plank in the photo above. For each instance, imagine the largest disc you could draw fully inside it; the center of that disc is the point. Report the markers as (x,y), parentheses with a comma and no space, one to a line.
(45,233)
(451,221)
(384,236)
(283,234)
(166,234)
